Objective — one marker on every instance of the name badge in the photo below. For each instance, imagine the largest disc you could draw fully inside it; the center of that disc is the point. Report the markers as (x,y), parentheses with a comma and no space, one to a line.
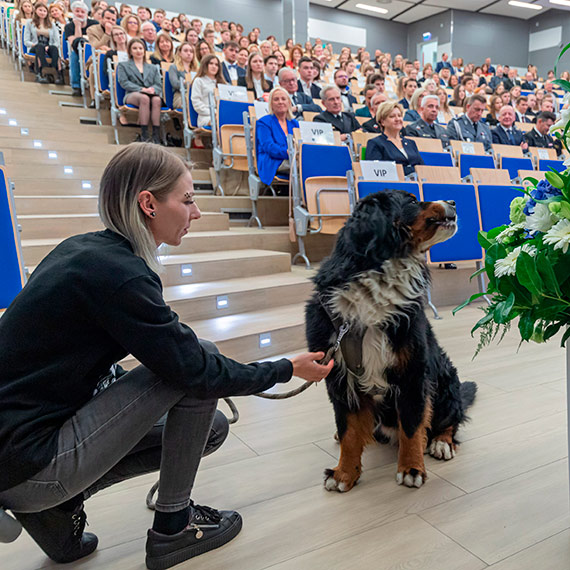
(317,133)
(379,170)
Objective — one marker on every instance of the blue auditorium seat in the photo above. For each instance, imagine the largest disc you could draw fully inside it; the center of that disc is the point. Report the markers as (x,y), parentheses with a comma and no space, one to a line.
(469,161)
(548,164)
(494,204)
(364,188)
(437,158)
(513,165)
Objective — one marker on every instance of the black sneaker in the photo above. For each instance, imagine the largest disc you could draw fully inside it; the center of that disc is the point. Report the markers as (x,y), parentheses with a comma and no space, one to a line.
(207,529)
(59,533)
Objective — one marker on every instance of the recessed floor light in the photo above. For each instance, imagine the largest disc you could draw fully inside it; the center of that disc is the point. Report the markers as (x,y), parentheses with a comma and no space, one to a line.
(264,340)
(13,123)
(2,111)
(86,185)
(222,302)
(52,154)
(186,269)
(68,170)
(38,144)
(24,132)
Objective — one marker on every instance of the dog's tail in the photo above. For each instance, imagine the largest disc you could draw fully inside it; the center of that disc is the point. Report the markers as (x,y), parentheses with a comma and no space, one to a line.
(468,391)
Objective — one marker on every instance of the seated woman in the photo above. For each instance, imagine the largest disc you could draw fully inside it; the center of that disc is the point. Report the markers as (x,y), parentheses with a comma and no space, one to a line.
(56,13)
(67,428)
(132,26)
(254,78)
(390,145)
(271,136)
(445,114)
(119,42)
(25,12)
(143,85)
(209,75)
(41,37)
(164,50)
(458,99)
(184,64)
(203,49)
(495,104)
(412,114)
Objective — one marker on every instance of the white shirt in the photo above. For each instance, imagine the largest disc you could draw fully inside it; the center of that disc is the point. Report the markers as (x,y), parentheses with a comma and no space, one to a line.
(232,70)
(306,88)
(257,87)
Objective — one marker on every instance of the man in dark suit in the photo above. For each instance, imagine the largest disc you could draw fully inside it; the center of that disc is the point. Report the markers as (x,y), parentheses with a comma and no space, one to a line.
(369,91)
(505,132)
(521,109)
(529,84)
(444,63)
(497,78)
(511,79)
(305,84)
(230,68)
(539,136)
(341,81)
(426,127)
(410,85)
(299,100)
(491,68)
(345,123)
(371,126)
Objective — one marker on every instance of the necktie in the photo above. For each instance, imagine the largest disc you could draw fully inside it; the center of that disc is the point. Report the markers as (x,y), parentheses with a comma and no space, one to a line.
(475,128)
(511,136)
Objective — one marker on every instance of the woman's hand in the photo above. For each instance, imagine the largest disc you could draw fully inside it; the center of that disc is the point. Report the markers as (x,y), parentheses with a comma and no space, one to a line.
(306,367)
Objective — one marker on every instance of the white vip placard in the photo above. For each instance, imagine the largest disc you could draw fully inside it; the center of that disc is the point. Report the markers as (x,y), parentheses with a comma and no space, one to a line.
(261,108)
(543,153)
(318,133)
(380,170)
(232,92)
(467,148)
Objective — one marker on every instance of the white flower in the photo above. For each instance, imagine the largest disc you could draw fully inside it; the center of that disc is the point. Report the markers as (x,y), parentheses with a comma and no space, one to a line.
(567,162)
(508,265)
(509,232)
(559,235)
(564,118)
(541,220)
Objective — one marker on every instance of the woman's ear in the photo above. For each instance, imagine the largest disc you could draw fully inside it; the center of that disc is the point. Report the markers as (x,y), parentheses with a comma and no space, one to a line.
(147,203)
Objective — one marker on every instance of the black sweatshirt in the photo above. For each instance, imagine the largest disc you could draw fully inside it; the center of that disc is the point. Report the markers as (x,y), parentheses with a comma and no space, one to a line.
(88,304)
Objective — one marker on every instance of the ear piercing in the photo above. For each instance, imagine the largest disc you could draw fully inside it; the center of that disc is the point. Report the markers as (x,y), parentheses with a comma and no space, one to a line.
(152,214)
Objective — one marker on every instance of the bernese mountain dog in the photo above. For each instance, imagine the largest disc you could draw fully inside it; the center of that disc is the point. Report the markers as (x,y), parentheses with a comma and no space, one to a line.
(391,379)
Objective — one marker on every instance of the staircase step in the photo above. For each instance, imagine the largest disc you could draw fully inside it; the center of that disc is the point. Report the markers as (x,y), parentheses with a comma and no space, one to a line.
(48,205)
(81,134)
(199,267)
(96,157)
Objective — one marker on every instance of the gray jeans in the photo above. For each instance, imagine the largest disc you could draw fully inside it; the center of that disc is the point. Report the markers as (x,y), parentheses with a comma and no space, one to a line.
(124,432)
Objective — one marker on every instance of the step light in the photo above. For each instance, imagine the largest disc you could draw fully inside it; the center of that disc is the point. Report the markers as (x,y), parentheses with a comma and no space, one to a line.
(222,302)
(13,123)
(86,185)
(68,170)
(24,132)
(2,111)
(38,144)
(52,154)
(186,269)
(264,340)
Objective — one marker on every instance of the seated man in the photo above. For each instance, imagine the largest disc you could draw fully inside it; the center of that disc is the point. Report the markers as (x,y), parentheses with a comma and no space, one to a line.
(341,82)
(444,64)
(469,126)
(369,91)
(372,126)
(521,109)
(426,126)
(99,36)
(529,83)
(505,132)
(305,83)
(300,101)
(345,123)
(539,136)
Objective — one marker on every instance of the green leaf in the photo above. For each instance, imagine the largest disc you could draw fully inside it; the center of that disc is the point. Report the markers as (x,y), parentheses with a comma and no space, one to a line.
(532,180)
(477,273)
(483,240)
(488,317)
(545,270)
(565,49)
(551,330)
(563,84)
(494,232)
(565,337)
(528,275)
(503,309)
(526,326)
(465,303)
(562,270)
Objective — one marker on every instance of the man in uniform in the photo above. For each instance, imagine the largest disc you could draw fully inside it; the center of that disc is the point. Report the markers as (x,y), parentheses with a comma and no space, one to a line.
(469,127)
(426,126)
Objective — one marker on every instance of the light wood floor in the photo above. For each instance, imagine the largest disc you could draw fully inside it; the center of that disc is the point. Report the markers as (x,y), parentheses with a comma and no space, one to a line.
(502,503)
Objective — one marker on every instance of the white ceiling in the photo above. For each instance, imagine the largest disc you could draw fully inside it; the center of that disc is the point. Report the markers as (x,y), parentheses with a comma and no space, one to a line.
(409,11)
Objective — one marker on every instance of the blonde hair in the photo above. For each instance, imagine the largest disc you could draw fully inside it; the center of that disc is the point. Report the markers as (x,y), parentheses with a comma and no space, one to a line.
(137,167)
(385,109)
(415,100)
(270,102)
(178,59)
(125,20)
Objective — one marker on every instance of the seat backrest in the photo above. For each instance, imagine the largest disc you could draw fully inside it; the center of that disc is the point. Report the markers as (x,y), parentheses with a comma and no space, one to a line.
(358,171)
(441,174)
(437,158)
(536,174)
(64,47)
(513,165)
(167,91)
(507,150)
(547,153)
(231,112)
(360,140)
(119,91)
(468,161)
(364,188)
(460,147)
(192,113)
(463,246)
(490,176)
(309,115)
(549,164)
(524,127)
(322,198)
(494,204)
(103,77)
(323,160)
(425,144)
(21,41)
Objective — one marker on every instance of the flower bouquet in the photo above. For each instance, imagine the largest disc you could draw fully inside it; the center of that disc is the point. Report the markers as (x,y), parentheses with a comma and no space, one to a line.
(527,262)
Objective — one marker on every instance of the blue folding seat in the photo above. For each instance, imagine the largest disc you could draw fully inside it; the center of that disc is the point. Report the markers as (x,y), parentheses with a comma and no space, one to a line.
(494,204)
(469,161)
(545,164)
(364,188)
(437,158)
(513,165)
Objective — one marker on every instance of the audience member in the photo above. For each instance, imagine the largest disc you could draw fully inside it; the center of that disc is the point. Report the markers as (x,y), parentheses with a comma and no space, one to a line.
(230,68)
(412,113)
(343,122)
(185,63)
(506,97)
(300,101)
(511,79)
(42,39)
(430,86)
(119,43)
(521,107)
(540,137)
(148,33)
(529,83)
(142,83)
(164,52)
(458,99)
(341,83)
(132,26)
(369,91)
(271,136)
(305,82)
(226,37)
(76,31)
(492,117)
(99,36)
(144,13)
(444,76)
(295,55)
(443,64)
(497,79)
(203,49)
(254,78)
(410,85)
(532,110)
(25,12)
(209,75)
(192,38)
(56,14)
(390,145)
(469,83)
(241,60)
(426,126)
(372,126)
(506,132)
(445,113)
(159,15)
(469,126)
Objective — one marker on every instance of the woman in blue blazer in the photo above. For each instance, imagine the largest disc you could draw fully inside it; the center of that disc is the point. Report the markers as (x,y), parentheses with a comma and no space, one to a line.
(390,145)
(271,136)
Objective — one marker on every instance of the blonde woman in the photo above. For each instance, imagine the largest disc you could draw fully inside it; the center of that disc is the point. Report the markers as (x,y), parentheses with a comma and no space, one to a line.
(445,113)
(131,23)
(164,50)
(25,12)
(57,15)
(184,63)
(412,114)
(97,298)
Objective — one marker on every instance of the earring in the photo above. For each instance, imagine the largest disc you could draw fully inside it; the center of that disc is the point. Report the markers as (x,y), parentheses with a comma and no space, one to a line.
(152,214)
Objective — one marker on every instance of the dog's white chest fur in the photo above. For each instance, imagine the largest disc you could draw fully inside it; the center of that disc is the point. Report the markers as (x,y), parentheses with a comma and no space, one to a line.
(370,301)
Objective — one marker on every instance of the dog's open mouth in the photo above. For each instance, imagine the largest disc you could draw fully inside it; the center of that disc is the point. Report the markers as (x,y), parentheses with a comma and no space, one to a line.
(446,223)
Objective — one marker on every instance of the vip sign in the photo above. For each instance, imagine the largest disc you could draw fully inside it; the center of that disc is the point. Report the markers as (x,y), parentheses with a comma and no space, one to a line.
(318,133)
(379,170)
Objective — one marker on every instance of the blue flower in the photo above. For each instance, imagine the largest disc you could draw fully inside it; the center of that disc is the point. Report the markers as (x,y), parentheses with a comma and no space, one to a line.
(543,191)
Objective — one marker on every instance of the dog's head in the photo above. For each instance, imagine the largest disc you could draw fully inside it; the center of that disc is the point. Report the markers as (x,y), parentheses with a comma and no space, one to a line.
(394,223)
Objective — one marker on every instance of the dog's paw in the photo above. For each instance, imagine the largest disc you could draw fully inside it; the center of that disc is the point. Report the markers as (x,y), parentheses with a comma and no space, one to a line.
(410,478)
(337,480)
(442,450)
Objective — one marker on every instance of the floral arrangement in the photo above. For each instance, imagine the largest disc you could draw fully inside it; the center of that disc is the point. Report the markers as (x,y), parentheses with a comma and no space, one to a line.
(527,262)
